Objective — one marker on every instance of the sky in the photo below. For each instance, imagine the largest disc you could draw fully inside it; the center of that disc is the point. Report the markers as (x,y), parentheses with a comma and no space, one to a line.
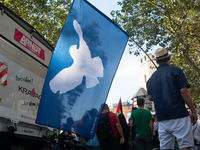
(127,80)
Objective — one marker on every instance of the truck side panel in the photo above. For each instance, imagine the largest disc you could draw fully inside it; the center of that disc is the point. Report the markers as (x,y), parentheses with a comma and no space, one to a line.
(23,89)
(24,60)
(16,34)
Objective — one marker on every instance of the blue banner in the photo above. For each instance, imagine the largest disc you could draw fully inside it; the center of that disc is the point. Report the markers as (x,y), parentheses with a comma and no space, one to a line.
(81,70)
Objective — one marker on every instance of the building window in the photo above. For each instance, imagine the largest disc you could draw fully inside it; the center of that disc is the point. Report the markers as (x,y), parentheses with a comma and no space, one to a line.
(144,57)
(141,61)
(145,78)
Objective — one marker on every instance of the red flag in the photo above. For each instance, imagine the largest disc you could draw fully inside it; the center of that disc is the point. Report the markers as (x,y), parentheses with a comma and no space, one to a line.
(119,107)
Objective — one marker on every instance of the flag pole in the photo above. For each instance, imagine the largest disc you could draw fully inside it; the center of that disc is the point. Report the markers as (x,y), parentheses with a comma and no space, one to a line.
(143,51)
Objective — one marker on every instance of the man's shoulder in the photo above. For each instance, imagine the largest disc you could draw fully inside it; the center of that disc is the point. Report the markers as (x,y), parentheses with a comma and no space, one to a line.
(166,67)
(174,68)
(145,111)
(152,77)
(110,113)
(170,69)
(135,111)
(140,110)
(160,71)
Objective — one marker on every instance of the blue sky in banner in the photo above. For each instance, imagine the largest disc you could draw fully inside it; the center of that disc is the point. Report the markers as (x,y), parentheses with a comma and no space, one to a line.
(81,70)
(127,80)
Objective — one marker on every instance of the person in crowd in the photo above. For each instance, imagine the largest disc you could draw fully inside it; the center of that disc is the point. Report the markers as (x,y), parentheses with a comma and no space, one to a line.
(69,124)
(168,88)
(155,133)
(126,131)
(93,113)
(132,134)
(62,136)
(196,131)
(196,135)
(142,120)
(114,142)
(80,129)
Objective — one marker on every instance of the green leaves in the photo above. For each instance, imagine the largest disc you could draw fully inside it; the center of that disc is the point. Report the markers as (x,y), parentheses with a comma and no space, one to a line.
(174,25)
(46,16)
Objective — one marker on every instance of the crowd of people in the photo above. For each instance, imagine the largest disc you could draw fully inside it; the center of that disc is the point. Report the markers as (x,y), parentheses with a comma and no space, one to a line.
(173,127)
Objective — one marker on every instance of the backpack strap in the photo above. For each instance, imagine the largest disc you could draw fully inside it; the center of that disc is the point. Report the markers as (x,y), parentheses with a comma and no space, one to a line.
(110,124)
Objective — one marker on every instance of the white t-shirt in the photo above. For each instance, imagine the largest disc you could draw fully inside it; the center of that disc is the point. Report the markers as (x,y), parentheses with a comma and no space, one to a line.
(196,129)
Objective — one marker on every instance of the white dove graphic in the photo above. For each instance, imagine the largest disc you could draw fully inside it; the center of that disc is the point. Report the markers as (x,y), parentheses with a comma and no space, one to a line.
(83,65)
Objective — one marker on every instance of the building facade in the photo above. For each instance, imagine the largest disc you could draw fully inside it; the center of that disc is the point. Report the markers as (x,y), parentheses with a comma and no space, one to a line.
(147,68)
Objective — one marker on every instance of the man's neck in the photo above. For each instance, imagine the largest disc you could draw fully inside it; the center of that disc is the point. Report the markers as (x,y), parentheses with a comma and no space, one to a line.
(168,62)
(104,110)
(140,107)
(163,63)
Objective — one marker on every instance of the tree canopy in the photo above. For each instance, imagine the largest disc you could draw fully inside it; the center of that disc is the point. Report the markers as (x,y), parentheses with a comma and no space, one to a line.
(46,16)
(173,24)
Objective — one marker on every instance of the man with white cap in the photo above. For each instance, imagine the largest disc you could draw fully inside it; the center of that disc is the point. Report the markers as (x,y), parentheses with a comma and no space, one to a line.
(167,87)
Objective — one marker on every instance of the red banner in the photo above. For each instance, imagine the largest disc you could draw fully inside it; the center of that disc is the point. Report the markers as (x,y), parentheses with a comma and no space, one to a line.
(29,44)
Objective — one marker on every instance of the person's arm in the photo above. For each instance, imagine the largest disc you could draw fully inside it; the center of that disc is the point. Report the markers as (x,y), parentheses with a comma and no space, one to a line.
(119,129)
(151,127)
(131,124)
(188,100)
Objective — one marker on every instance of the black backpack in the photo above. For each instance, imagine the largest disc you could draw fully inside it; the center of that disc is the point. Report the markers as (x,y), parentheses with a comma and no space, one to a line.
(104,130)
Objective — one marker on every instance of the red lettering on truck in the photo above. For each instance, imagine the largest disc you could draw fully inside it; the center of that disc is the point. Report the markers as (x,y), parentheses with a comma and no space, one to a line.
(29,44)
(26,117)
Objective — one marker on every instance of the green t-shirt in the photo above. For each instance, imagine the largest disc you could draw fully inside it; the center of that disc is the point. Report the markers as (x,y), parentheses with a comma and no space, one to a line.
(141,121)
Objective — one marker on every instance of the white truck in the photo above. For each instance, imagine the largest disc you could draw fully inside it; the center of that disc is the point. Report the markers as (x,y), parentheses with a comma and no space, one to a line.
(24,60)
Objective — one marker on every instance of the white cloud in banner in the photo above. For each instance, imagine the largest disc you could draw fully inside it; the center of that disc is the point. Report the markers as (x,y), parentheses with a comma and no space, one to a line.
(83,65)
